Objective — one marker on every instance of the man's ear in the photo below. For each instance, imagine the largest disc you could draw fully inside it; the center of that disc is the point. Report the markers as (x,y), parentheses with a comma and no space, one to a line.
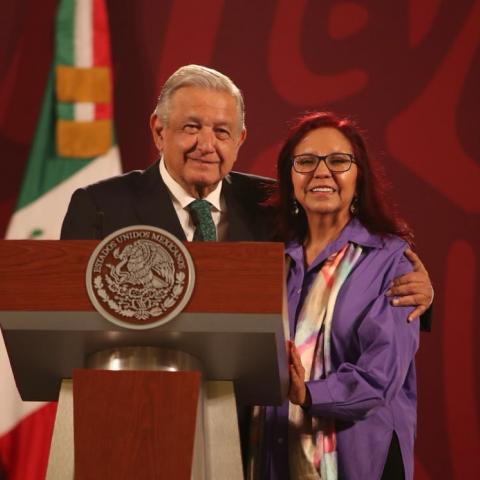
(157,127)
(242,137)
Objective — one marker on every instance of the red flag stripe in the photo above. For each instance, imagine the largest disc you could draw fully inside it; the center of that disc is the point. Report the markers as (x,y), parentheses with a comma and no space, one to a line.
(101,50)
(24,450)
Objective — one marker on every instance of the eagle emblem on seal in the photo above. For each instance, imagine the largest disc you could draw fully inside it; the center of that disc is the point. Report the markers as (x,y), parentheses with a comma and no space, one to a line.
(143,283)
(140,277)
(143,263)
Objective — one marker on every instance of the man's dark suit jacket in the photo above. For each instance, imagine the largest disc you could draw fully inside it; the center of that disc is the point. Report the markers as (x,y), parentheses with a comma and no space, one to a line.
(142,198)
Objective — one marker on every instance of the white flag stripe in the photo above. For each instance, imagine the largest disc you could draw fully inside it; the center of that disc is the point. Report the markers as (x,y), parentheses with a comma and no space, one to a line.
(84,111)
(47,212)
(83,41)
(13,409)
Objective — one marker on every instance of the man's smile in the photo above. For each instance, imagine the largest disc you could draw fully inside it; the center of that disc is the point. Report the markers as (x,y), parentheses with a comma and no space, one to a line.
(203,161)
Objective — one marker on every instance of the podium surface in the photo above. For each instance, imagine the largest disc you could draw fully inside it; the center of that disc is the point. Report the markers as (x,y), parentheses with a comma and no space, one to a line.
(232,323)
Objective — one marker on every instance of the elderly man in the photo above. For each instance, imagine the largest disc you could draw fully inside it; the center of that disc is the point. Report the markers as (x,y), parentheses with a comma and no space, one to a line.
(198,127)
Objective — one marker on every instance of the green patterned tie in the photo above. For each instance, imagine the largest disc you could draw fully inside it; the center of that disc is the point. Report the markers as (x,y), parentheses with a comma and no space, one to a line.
(205,230)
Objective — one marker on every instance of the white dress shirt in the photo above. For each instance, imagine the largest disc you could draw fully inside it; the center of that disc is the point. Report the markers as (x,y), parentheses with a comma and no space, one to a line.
(181,199)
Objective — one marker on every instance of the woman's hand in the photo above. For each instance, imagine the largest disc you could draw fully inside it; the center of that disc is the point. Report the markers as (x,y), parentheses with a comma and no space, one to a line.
(297,392)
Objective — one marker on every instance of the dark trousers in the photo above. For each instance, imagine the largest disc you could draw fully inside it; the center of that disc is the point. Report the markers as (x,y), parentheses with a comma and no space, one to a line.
(393,469)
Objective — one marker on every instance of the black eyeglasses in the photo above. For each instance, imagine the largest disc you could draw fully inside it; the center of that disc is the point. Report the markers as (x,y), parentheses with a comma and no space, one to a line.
(335,162)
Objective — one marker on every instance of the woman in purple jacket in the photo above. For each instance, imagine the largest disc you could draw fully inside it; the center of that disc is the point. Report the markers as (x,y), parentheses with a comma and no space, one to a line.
(351,412)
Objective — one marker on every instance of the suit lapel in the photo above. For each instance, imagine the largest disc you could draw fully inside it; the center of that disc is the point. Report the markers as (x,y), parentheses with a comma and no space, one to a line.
(154,205)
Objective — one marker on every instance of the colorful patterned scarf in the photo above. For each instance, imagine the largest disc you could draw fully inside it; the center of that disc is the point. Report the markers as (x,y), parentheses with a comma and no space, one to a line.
(312,440)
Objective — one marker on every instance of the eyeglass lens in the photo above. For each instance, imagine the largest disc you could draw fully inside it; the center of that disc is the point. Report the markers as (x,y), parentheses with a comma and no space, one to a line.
(336,162)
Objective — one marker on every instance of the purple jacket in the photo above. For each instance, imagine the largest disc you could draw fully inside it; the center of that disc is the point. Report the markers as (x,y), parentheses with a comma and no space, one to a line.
(371,391)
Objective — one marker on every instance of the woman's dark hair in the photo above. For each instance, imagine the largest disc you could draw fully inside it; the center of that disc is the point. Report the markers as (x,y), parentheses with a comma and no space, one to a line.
(374,209)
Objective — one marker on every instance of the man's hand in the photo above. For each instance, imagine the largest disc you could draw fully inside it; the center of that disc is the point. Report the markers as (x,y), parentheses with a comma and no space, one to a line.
(413,288)
(297,392)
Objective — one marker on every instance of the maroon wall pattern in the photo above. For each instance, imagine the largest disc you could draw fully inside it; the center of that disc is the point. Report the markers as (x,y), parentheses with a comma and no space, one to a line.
(408,71)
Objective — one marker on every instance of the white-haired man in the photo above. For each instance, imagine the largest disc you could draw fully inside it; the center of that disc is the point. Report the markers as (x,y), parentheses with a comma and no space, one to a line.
(198,127)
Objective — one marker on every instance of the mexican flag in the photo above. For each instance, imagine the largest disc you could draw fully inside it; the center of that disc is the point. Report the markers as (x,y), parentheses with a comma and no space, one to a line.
(73,146)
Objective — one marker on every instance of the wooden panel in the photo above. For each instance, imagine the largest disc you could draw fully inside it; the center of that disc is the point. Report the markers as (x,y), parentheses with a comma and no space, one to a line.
(49,275)
(133,424)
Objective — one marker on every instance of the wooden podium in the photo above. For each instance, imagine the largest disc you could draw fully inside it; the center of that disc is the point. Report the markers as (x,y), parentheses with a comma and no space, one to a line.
(166,421)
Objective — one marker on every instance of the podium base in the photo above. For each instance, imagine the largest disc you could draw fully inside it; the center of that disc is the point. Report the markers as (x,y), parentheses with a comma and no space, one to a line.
(61,461)
(216,453)
(222,438)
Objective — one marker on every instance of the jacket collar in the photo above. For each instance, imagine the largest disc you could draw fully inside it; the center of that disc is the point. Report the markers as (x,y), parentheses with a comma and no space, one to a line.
(353,232)
(154,207)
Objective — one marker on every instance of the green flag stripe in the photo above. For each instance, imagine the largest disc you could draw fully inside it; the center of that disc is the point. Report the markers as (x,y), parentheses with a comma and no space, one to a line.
(65,110)
(65,32)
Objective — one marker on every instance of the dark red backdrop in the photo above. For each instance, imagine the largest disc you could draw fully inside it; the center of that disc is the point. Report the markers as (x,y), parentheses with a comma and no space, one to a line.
(409,71)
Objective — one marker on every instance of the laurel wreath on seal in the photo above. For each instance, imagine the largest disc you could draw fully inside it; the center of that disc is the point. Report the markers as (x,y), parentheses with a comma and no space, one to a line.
(140,303)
